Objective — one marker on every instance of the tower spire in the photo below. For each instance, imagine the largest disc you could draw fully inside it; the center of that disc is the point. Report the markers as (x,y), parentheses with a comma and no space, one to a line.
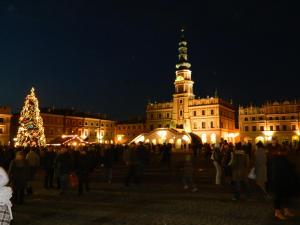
(182,53)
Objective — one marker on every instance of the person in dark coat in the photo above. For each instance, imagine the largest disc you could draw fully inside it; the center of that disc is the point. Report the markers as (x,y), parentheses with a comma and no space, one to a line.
(240,167)
(19,173)
(63,164)
(82,171)
(283,181)
(48,165)
(108,159)
(130,158)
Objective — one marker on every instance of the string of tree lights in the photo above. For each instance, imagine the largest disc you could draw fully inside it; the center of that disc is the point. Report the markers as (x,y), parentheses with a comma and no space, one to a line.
(31,129)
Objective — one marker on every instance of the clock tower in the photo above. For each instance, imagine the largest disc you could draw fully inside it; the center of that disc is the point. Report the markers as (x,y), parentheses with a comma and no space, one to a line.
(183,88)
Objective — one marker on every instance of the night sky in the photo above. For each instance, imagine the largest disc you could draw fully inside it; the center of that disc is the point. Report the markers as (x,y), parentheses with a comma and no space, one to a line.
(114,56)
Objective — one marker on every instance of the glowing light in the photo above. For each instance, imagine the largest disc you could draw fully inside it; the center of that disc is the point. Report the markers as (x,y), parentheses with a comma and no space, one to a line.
(140,138)
(179,78)
(233,135)
(213,138)
(259,138)
(203,138)
(120,137)
(74,143)
(31,128)
(185,138)
(162,134)
(268,133)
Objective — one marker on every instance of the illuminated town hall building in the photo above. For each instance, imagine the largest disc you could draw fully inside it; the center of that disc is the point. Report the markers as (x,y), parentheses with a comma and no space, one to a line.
(210,118)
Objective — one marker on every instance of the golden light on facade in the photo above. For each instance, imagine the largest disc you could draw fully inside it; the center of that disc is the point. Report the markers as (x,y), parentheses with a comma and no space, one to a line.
(213,138)
(120,137)
(185,138)
(268,133)
(162,134)
(203,138)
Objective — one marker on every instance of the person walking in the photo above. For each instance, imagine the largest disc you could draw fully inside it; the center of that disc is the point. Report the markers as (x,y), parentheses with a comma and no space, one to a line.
(188,174)
(33,160)
(48,166)
(260,165)
(283,181)
(82,172)
(240,167)
(19,174)
(5,196)
(216,157)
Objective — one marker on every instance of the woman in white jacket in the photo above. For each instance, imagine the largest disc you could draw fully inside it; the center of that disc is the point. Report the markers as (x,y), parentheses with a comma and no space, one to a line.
(5,195)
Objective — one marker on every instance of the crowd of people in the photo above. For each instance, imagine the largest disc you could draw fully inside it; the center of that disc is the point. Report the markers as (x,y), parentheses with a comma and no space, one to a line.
(267,165)
(64,166)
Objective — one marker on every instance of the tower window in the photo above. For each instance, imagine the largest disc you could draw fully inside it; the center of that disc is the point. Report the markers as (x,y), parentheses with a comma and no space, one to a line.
(195,113)
(203,112)
(180,112)
(180,101)
(212,112)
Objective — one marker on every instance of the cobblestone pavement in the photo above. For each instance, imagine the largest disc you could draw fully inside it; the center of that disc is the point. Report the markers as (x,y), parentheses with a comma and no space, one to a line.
(157,202)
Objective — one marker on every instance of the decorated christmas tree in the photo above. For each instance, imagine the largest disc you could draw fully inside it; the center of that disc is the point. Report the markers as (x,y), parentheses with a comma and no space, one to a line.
(31,129)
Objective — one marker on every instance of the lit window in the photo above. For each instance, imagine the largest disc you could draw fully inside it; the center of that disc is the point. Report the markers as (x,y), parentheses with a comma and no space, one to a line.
(195,126)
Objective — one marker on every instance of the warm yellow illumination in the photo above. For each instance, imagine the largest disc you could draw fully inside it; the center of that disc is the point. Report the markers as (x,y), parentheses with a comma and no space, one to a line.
(162,134)
(203,138)
(233,135)
(213,138)
(140,138)
(259,138)
(185,138)
(179,78)
(120,137)
(268,133)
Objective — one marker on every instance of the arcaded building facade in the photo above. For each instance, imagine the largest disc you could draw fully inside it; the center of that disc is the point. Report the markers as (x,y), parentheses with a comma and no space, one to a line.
(5,120)
(211,118)
(277,119)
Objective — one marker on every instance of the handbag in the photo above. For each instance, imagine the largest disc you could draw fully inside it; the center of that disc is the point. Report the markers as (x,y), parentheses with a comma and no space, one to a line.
(252,174)
(73,179)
